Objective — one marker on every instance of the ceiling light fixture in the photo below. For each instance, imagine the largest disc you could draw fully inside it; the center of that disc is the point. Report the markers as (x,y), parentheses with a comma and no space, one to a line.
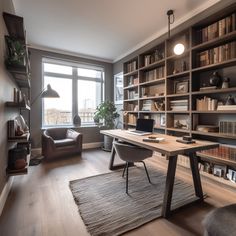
(179,48)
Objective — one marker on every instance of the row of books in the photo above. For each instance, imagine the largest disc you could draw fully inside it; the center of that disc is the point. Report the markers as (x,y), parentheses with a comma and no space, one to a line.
(179,105)
(224,152)
(227,128)
(219,28)
(226,108)
(206,104)
(157,55)
(157,73)
(131,66)
(131,107)
(132,94)
(131,80)
(148,105)
(217,54)
(132,119)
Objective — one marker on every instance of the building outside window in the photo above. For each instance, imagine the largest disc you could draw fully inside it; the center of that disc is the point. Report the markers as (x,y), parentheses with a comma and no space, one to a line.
(81,89)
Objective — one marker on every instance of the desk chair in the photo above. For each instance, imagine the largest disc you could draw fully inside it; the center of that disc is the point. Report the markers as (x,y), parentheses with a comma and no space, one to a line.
(130,154)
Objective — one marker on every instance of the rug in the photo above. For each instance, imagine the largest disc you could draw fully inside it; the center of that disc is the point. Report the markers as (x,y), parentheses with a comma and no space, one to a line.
(107,210)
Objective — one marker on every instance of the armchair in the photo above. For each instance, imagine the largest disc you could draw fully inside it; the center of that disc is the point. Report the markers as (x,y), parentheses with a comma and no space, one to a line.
(57,142)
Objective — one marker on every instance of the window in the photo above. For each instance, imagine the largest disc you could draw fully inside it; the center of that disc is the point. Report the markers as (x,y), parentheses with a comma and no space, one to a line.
(80,88)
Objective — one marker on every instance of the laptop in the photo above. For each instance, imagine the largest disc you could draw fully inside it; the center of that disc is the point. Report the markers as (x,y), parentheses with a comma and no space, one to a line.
(143,127)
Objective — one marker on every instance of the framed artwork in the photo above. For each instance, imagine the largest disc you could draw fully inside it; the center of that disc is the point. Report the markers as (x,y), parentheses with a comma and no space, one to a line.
(181,87)
(118,88)
(163,120)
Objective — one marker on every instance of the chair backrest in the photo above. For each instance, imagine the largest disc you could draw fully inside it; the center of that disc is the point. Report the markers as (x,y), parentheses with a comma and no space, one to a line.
(131,153)
(57,133)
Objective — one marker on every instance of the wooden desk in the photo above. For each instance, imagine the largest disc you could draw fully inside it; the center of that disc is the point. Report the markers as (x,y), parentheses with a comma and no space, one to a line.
(171,149)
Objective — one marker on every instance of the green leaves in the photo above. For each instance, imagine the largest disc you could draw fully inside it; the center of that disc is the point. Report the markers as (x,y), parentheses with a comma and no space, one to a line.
(106,114)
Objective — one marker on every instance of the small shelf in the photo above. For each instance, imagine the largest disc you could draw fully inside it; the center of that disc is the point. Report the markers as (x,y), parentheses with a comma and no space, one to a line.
(177,95)
(17,105)
(178,130)
(178,56)
(131,100)
(131,87)
(23,171)
(180,74)
(131,111)
(153,112)
(178,112)
(216,112)
(215,66)
(215,42)
(156,81)
(134,72)
(153,65)
(153,97)
(226,90)
(161,128)
(130,124)
(212,134)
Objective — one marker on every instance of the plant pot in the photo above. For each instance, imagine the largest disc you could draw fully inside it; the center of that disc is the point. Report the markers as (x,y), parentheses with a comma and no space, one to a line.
(107,146)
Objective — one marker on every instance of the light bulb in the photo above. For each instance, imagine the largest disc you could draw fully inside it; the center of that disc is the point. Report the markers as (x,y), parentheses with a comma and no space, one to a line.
(179,49)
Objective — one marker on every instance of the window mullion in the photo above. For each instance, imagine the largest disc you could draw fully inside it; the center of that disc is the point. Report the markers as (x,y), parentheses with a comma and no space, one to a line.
(74,92)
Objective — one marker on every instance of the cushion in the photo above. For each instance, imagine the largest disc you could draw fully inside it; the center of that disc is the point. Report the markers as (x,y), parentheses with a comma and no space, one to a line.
(64,142)
(221,221)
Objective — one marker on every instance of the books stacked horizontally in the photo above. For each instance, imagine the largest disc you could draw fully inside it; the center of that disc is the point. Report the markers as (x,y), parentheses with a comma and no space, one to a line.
(148,105)
(228,128)
(226,108)
(206,104)
(179,105)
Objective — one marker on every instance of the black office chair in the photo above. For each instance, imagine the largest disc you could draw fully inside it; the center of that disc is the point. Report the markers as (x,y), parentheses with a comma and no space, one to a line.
(130,154)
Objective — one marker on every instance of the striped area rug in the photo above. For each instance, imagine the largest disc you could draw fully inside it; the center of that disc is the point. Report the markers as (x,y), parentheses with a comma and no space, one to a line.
(107,210)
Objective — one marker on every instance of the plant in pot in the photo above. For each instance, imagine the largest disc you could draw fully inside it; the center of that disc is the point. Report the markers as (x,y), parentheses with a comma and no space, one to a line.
(105,115)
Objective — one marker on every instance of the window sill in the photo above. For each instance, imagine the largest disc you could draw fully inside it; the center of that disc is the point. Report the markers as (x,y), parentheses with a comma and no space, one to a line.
(70,126)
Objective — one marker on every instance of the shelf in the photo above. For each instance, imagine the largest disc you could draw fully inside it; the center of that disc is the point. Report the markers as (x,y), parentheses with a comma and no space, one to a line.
(153,112)
(131,100)
(23,171)
(131,73)
(154,97)
(177,95)
(180,74)
(153,65)
(129,124)
(216,112)
(226,90)
(131,111)
(161,128)
(215,42)
(156,81)
(17,105)
(178,56)
(178,112)
(217,135)
(215,66)
(178,130)
(15,25)
(131,87)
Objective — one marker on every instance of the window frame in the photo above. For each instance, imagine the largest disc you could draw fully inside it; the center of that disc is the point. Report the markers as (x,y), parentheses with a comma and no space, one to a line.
(75,79)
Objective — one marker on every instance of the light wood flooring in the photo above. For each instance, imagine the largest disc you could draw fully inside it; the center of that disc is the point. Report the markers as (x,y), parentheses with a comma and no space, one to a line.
(41,202)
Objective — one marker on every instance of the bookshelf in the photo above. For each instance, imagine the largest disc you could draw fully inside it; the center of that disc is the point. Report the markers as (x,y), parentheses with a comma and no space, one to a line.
(178,92)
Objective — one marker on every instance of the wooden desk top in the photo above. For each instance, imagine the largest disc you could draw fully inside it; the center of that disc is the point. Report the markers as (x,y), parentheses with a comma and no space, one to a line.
(169,146)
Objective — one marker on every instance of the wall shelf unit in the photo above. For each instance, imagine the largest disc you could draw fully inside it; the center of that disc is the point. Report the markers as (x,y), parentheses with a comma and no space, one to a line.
(179,82)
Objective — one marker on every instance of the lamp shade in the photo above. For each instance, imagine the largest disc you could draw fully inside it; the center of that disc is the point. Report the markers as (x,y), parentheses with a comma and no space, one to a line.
(49,93)
(179,49)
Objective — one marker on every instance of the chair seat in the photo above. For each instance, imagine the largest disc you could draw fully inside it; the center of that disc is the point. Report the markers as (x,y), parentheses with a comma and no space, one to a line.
(221,221)
(64,142)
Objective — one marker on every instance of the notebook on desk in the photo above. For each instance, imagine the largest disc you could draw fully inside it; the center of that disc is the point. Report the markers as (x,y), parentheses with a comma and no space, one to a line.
(143,127)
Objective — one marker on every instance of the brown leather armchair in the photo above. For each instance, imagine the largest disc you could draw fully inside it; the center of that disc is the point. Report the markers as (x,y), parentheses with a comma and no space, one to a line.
(57,142)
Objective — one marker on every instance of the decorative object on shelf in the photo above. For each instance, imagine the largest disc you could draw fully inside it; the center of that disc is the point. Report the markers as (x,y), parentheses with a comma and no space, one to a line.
(181,87)
(47,92)
(160,106)
(105,115)
(208,128)
(118,88)
(215,79)
(230,101)
(77,120)
(225,83)
(181,122)
(163,120)
(179,48)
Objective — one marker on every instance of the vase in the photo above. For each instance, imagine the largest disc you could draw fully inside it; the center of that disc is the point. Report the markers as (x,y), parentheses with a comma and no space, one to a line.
(215,79)
(77,120)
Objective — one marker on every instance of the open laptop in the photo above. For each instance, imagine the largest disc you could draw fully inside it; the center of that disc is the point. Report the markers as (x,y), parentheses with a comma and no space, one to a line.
(143,127)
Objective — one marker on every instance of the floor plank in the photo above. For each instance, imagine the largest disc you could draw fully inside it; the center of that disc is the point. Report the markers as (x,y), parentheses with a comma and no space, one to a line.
(41,203)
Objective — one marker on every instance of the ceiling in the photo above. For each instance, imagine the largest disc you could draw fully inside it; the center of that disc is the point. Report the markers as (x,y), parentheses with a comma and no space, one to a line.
(103,29)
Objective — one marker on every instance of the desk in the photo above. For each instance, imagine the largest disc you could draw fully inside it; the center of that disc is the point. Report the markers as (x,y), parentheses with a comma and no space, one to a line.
(171,149)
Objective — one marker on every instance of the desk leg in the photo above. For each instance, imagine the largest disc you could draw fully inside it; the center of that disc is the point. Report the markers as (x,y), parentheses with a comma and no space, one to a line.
(170,178)
(196,175)
(111,164)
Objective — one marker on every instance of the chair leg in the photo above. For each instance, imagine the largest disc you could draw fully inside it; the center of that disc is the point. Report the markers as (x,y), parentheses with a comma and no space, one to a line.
(127,177)
(146,171)
(123,174)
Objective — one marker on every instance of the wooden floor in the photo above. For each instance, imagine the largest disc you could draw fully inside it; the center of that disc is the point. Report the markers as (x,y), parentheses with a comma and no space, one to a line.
(41,203)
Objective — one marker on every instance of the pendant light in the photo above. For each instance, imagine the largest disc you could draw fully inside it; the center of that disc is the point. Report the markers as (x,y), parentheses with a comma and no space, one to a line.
(179,47)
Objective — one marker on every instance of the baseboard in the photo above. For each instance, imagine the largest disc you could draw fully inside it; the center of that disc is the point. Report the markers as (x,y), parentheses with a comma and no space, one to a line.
(4,193)
(92,145)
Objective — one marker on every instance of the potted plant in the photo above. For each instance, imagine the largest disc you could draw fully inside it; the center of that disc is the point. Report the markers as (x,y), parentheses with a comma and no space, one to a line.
(105,115)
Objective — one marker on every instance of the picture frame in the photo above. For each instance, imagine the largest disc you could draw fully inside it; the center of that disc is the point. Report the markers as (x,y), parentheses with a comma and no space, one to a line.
(118,88)
(163,120)
(181,87)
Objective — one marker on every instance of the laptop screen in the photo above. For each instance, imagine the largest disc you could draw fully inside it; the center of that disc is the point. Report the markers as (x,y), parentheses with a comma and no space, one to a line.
(145,125)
